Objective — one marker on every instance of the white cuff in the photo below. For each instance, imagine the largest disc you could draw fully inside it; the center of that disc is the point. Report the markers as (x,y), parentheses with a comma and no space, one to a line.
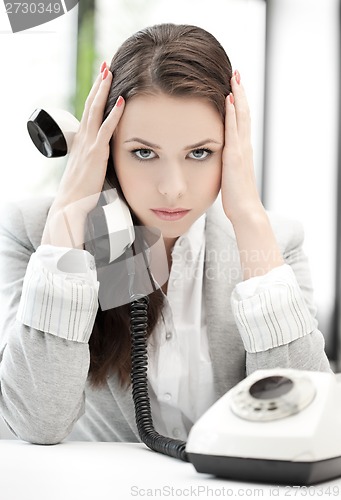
(56,300)
(61,260)
(270,310)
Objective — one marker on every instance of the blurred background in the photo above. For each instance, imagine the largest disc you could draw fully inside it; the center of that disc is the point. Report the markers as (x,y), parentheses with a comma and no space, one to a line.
(288,54)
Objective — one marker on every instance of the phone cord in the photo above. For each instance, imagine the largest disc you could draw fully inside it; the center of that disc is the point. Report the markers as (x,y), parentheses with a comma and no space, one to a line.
(139,358)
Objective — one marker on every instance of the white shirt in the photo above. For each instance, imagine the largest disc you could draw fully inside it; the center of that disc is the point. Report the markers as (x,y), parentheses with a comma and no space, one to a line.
(180,372)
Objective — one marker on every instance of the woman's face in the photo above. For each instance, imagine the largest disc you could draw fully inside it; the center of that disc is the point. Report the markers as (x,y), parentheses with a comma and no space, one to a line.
(167,152)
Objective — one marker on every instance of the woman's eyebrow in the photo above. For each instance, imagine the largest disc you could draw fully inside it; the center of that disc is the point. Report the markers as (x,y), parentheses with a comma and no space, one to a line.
(192,146)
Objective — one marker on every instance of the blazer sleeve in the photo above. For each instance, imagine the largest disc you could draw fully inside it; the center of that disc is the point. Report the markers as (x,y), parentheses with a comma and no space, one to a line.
(42,376)
(278,322)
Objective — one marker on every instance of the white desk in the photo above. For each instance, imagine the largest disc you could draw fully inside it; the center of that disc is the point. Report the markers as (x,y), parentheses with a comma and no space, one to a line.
(120,471)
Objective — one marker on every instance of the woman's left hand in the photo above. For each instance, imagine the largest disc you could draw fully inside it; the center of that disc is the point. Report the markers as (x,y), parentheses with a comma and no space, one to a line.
(239,189)
(257,245)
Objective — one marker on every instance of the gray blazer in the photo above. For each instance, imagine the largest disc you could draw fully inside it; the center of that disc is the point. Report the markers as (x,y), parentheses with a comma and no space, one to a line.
(45,394)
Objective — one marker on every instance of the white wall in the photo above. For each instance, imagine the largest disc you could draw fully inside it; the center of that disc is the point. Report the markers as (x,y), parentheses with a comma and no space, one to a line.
(301,143)
(37,70)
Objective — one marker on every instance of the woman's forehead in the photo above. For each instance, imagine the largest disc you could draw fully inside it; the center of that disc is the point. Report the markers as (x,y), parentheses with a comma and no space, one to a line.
(157,117)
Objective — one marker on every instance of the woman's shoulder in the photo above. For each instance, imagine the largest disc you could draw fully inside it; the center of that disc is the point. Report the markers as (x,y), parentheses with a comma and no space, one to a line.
(25,219)
(289,231)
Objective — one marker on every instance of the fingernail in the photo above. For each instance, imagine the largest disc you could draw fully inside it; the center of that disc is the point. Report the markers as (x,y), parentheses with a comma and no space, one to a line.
(231,98)
(119,102)
(237,76)
(105,74)
(103,66)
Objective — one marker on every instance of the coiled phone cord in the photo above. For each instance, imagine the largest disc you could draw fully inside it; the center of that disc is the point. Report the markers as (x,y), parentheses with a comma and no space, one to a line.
(139,361)
(139,358)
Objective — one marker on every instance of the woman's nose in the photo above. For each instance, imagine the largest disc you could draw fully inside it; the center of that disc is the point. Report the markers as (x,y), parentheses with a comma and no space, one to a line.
(172,183)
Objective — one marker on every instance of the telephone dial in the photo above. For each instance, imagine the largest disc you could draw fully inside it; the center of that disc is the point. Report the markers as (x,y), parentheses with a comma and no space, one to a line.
(278,425)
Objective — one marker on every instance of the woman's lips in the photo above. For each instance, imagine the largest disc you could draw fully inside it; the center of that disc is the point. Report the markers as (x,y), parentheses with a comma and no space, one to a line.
(170,214)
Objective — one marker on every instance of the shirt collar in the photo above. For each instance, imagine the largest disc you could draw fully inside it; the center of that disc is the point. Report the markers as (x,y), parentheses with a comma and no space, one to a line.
(193,239)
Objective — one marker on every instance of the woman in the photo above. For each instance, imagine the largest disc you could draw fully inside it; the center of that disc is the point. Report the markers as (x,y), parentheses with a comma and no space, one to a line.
(168,125)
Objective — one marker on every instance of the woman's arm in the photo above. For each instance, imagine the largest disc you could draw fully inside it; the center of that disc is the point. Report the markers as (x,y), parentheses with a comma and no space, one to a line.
(42,376)
(84,175)
(44,361)
(277,321)
(276,315)
(258,249)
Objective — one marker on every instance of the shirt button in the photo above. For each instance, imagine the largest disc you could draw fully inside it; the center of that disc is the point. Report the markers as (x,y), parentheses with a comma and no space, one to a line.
(189,256)
(169,335)
(92,264)
(167,396)
(176,283)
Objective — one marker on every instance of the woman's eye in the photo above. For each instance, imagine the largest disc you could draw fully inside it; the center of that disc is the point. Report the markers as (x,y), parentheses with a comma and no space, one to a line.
(200,154)
(143,154)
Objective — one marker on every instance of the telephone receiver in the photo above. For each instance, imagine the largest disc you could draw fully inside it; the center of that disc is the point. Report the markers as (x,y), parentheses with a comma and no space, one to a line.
(110,236)
(110,226)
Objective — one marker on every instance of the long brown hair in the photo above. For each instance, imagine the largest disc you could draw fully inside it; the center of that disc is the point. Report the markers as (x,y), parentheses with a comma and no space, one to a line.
(176,60)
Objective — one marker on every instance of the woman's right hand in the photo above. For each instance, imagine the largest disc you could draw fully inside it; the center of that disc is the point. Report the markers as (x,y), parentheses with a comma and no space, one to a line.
(84,175)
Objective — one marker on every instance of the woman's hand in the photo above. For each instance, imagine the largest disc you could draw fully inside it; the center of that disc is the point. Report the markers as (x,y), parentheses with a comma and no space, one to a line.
(239,189)
(84,175)
(259,252)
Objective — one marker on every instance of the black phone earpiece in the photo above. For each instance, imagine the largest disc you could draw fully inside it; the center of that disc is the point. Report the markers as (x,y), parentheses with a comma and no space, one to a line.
(52,131)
